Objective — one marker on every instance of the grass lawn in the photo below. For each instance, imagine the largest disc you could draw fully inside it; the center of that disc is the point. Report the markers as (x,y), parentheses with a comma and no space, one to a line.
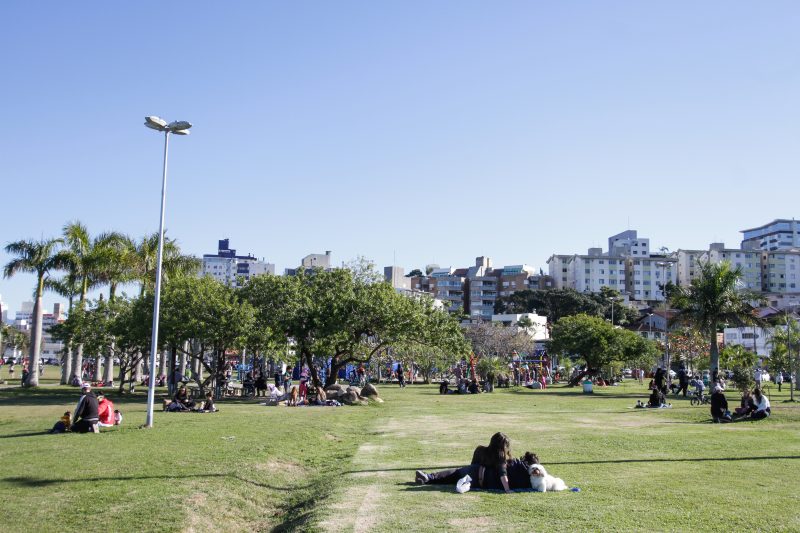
(259,468)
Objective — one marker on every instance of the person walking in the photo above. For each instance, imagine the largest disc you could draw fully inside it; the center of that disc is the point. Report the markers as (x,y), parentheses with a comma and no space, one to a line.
(779,379)
(401,380)
(683,381)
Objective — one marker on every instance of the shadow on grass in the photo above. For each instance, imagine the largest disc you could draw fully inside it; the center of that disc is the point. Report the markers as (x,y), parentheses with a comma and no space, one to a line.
(33,482)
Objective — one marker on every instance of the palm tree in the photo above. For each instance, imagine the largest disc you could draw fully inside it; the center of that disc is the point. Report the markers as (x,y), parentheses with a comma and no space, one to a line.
(713,298)
(785,349)
(145,255)
(36,257)
(68,287)
(113,265)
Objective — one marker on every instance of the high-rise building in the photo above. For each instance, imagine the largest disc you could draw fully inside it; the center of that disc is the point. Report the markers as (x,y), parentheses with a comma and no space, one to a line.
(228,268)
(780,234)
(395,275)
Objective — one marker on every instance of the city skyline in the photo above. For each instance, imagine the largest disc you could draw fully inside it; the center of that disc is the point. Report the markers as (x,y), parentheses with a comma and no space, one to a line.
(425,133)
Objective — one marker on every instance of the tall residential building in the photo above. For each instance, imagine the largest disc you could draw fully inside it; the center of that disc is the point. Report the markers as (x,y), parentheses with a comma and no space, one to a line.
(646,276)
(395,275)
(780,234)
(748,261)
(226,267)
(447,285)
(687,265)
(780,271)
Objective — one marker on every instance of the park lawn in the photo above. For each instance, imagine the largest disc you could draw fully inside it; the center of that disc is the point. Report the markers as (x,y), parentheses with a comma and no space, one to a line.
(252,467)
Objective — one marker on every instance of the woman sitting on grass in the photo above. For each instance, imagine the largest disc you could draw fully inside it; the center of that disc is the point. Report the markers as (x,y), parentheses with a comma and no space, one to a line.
(719,406)
(746,406)
(762,405)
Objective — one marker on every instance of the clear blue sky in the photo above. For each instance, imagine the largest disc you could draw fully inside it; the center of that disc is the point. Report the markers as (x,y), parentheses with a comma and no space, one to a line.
(433,131)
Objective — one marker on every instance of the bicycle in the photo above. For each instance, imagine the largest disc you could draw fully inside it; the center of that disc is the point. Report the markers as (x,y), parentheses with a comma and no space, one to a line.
(699,398)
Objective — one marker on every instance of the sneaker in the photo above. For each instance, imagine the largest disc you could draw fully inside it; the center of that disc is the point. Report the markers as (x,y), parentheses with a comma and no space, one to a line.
(420,477)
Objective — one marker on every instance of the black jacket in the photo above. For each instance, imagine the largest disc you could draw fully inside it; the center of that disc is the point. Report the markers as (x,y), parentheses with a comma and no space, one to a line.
(88,408)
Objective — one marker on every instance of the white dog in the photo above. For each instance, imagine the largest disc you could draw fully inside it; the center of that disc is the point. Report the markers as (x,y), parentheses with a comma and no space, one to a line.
(541,481)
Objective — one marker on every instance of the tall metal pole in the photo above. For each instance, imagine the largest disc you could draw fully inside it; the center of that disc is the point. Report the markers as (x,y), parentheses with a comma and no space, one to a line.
(612,310)
(151,392)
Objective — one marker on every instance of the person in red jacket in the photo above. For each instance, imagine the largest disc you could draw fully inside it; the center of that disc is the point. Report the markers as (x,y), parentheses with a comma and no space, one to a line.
(105,411)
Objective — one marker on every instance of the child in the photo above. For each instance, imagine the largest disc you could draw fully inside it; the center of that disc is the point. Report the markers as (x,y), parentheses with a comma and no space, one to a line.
(117,417)
(63,424)
(209,406)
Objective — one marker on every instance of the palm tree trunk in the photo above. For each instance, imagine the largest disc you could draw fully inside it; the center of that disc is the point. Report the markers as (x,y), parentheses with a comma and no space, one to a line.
(66,364)
(77,362)
(98,369)
(109,376)
(714,351)
(162,363)
(36,339)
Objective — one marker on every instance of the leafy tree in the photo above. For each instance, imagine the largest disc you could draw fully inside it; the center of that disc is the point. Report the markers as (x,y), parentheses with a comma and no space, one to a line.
(713,298)
(414,273)
(39,258)
(785,354)
(597,343)
(558,303)
(337,316)
(209,313)
(690,346)
(741,361)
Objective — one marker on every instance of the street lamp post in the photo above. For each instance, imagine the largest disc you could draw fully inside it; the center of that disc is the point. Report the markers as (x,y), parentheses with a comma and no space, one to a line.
(179,127)
(664,267)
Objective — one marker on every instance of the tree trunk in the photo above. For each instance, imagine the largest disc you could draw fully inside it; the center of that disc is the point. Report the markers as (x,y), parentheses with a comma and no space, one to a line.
(714,351)
(66,365)
(137,374)
(162,363)
(578,378)
(36,342)
(77,362)
(109,376)
(98,368)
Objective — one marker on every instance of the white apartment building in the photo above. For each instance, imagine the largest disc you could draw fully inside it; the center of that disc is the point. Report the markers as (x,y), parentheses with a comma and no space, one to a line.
(594,270)
(317,261)
(227,267)
(559,269)
(687,265)
(752,338)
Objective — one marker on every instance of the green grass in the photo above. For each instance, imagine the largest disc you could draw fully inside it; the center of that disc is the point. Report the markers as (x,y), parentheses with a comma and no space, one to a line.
(255,468)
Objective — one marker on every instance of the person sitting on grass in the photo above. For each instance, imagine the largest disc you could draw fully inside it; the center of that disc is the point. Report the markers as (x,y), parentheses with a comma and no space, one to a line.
(474,388)
(762,405)
(117,417)
(656,398)
(719,406)
(444,387)
(182,398)
(208,405)
(746,406)
(63,424)
(86,412)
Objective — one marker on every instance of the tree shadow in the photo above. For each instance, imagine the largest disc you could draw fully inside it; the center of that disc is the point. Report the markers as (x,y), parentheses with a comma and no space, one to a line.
(32,482)
(678,460)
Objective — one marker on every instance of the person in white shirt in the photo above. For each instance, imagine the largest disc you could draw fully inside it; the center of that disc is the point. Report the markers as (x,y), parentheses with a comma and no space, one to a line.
(757,375)
(762,405)
(779,379)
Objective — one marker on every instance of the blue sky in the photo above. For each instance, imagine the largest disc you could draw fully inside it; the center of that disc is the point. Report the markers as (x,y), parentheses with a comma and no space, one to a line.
(425,131)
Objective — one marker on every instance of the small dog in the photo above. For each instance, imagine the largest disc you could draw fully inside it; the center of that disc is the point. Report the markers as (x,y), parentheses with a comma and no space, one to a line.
(541,481)
(293,397)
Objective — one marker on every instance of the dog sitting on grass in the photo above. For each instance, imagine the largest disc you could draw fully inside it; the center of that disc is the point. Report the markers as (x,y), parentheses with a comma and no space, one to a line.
(541,481)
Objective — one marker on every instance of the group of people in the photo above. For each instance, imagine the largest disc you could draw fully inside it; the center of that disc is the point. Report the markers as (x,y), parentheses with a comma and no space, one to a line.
(492,467)
(754,406)
(91,413)
(183,402)
(463,386)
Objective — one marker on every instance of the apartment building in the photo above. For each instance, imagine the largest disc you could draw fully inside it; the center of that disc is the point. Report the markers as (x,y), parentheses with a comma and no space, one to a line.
(395,275)
(645,276)
(780,234)
(780,271)
(748,261)
(448,285)
(227,267)
(687,265)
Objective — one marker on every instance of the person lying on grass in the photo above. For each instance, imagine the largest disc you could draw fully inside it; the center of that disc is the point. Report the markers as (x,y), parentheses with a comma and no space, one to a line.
(517,475)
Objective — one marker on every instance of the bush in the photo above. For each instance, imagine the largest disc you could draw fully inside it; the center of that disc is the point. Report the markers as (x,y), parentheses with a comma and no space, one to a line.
(743,378)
